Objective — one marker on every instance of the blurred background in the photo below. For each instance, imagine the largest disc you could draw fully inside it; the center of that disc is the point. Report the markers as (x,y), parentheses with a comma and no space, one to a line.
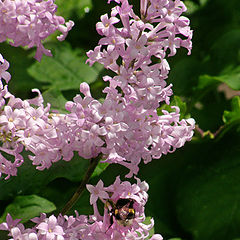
(194,192)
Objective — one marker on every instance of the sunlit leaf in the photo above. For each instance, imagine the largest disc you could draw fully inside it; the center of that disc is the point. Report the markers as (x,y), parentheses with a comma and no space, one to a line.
(65,70)
(175,239)
(232,79)
(99,169)
(176,101)
(66,8)
(56,99)
(147,222)
(234,115)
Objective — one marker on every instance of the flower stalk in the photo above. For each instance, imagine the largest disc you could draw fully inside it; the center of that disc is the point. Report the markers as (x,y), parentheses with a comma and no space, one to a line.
(93,164)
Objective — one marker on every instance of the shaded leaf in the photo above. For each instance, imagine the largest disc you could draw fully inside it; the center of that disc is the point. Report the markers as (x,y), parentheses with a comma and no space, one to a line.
(225,50)
(60,191)
(208,111)
(27,207)
(208,192)
(30,180)
(56,98)
(206,81)
(191,6)
(231,118)
(184,75)
(21,82)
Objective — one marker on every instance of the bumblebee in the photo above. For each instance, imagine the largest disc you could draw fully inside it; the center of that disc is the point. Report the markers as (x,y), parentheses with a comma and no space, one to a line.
(122,211)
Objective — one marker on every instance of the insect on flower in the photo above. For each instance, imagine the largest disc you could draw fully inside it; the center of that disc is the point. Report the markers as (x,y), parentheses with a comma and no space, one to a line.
(122,210)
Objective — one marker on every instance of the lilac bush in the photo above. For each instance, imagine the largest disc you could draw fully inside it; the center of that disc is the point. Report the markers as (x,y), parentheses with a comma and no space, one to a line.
(124,128)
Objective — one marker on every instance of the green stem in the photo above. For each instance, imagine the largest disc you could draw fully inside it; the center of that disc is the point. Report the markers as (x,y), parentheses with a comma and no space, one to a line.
(80,189)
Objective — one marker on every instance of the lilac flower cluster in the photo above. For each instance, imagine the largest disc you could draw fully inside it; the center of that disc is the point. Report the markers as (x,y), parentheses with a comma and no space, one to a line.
(93,227)
(29,22)
(23,123)
(137,132)
(126,126)
(122,132)
(51,137)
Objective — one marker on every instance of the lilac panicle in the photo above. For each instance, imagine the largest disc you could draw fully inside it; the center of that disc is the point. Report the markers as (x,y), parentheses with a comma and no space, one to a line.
(125,128)
(93,227)
(136,131)
(29,22)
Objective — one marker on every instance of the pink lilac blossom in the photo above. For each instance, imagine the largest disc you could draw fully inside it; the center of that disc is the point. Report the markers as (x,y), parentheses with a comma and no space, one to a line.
(136,131)
(125,128)
(93,227)
(29,22)
(4,65)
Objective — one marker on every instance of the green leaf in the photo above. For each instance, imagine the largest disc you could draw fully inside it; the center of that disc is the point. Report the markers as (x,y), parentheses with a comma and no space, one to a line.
(30,180)
(56,98)
(184,75)
(205,85)
(175,239)
(176,101)
(65,8)
(231,118)
(225,50)
(234,115)
(231,78)
(206,81)
(147,221)
(99,169)
(65,70)
(27,207)
(208,191)
(21,82)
